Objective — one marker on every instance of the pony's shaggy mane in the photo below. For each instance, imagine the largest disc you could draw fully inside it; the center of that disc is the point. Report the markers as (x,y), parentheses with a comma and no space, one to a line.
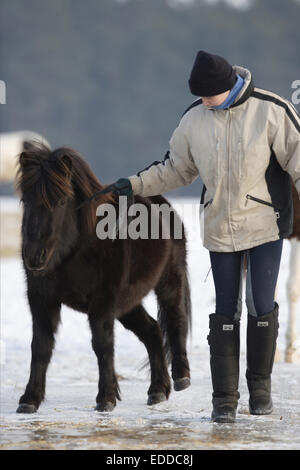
(50,177)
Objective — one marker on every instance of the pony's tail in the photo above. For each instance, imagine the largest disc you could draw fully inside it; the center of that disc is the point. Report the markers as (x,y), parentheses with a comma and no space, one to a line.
(188,302)
(162,316)
(162,319)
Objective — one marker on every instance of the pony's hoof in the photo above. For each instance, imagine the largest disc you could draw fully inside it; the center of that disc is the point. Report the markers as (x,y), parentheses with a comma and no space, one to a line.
(182,383)
(155,398)
(26,408)
(292,356)
(107,406)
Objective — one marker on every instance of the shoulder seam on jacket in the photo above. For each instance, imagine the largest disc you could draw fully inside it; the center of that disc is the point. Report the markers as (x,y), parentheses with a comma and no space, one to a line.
(195,103)
(167,157)
(283,104)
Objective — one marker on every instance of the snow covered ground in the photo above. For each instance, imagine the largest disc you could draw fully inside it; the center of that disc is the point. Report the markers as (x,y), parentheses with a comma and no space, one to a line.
(67,420)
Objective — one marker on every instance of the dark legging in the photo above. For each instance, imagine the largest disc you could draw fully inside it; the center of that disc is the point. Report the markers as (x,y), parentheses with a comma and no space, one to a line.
(262,262)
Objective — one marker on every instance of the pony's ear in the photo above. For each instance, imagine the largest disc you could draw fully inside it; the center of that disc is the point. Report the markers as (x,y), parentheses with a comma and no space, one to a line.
(30,152)
(25,158)
(29,145)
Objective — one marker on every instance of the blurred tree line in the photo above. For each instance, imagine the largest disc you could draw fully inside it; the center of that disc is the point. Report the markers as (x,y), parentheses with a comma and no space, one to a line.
(111,78)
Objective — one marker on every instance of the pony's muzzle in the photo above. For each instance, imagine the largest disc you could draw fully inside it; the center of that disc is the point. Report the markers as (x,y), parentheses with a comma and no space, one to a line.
(37,261)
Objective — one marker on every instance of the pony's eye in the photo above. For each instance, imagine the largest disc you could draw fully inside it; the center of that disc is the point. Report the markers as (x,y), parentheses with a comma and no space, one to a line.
(61,202)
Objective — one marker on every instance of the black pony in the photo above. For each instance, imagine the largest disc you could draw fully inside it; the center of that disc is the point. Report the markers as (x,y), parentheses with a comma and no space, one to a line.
(66,263)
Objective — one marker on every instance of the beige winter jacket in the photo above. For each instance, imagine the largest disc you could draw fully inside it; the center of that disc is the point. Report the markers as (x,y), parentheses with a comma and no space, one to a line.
(245,156)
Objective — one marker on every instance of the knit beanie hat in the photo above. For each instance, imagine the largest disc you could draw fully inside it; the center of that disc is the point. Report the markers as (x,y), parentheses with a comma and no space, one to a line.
(211,75)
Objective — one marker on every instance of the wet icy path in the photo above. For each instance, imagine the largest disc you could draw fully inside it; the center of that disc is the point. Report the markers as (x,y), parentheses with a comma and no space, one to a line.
(67,420)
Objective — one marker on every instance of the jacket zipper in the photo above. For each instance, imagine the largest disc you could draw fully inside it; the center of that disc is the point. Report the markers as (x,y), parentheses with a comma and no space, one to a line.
(261,201)
(229,172)
(218,157)
(240,158)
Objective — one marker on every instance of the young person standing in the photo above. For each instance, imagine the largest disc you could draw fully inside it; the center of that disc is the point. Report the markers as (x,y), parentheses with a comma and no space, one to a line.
(244,143)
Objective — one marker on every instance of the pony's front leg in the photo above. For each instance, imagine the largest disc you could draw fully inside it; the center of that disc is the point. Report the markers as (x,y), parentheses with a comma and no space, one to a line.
(45,319)
(102,327)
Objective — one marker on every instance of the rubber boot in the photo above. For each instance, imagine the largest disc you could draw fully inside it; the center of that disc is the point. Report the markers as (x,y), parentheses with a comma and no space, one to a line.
(224,342)
(262,333)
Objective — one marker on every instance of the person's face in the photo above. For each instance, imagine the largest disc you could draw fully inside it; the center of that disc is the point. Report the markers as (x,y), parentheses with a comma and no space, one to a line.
(215,100)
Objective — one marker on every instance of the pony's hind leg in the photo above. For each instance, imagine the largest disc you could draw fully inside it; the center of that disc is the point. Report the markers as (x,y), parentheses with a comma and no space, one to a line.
(147,330)
(174,316)
(292,353)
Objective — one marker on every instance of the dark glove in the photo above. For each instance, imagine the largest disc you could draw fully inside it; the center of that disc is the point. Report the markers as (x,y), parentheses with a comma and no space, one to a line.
(122,187)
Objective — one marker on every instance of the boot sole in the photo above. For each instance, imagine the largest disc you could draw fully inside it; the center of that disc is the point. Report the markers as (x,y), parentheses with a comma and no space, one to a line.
(223,418)
(260,411)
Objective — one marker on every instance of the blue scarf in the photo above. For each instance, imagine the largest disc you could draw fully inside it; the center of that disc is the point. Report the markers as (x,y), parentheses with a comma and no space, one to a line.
(232,95)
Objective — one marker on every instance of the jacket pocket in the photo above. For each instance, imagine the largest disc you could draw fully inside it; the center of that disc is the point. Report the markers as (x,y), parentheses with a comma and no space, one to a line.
(208,203)
(204,205)
(266,203)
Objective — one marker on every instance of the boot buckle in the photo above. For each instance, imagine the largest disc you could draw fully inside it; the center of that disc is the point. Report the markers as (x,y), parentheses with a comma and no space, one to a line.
(262,323)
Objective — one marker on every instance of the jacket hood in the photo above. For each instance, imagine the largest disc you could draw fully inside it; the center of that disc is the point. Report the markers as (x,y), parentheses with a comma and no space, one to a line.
(248,87)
